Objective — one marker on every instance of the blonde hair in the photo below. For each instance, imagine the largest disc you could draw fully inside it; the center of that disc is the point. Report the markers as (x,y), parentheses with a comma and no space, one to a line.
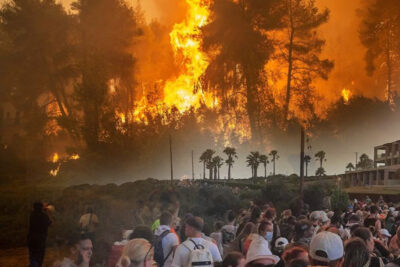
(134,253)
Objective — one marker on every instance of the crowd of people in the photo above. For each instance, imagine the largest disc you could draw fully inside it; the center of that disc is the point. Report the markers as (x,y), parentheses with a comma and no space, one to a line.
(366,234)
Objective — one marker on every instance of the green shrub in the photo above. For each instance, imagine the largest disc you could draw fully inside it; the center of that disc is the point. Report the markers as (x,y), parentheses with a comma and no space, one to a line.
(339,200)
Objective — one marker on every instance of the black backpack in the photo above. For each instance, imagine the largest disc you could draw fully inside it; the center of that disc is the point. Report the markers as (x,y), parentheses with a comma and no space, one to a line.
(158,249)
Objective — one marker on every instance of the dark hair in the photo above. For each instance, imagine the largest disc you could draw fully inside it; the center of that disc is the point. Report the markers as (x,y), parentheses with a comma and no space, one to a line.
(374,209)
(353,228)
(142,231)
(89,210)
(253,264)
(218,225)
(300,228)
(363,232)
(262,226)
(270,214)
(232,259)
(231,216)
(247,229)
(255,214)
(195,222)
(356,253)
(292,253)
(38,206)
(165,218)
(299,263)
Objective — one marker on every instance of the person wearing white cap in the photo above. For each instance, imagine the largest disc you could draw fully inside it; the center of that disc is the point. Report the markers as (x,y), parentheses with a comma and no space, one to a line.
(319,219)
(384,236)
(259,252)
(326,249)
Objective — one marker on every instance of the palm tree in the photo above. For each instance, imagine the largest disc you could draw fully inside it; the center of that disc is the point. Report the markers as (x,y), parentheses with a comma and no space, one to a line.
(307,160)
(264,160)
(217,162)
(253,160)
(206,158)
(320,172)
(275,157)
(203,159)
(350,167)
(320,155)
(231,153)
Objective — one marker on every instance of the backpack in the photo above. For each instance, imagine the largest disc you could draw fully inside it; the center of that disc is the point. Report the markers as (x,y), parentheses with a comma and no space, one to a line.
(199,256)
(158,249)
(227,237)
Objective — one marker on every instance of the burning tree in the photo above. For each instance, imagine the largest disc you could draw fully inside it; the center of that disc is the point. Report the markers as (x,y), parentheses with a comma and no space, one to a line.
(379,33)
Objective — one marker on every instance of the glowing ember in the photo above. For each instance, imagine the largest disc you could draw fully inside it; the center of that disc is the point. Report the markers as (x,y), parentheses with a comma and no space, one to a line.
(55,171)
(74,156)
(55,158)
(185,91)
(346,94)
(122,117)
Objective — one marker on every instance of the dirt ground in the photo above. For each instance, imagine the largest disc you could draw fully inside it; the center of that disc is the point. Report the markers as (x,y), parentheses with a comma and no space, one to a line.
(19,257)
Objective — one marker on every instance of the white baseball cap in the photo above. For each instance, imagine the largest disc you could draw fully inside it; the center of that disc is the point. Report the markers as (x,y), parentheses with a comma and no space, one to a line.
(281,242)
(326,247)
(385,232)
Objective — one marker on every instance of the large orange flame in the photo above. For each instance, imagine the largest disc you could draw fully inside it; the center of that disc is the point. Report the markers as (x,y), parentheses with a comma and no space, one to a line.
(346,94)
(185,91)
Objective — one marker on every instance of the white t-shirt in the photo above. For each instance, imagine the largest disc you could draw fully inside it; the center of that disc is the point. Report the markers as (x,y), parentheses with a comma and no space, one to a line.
(168,243)
(182,253)
(89,220)
(217,236)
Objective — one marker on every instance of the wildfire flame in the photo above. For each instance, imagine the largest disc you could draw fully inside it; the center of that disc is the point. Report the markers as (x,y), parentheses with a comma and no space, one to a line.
(74,157)
(185,91)
(55,158)
(55,171)
(346,94)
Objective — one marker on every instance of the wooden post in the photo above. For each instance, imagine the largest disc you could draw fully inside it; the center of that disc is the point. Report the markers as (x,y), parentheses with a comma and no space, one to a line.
(192,167)
(170,156)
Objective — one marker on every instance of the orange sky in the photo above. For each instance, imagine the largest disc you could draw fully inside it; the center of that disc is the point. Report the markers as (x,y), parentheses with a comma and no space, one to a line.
(342,42)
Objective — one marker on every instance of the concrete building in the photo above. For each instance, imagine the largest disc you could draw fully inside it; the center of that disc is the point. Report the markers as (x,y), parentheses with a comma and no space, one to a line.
(385,171)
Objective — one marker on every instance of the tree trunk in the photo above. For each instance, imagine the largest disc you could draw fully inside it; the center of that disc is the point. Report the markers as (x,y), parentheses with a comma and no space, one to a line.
(301,162)
(215,173)
(306,169)
(218,174)
(251,104)
(389,71)
(204,169)
(211,173)
(229,171)
(265,171)
(255,171)
(290,62)
(274,165)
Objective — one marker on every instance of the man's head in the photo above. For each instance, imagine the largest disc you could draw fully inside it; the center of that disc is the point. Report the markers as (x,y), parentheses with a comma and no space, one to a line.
(326,249)
(85,250)
(374,209)
(303,229)
(165,218)
(38,206)
(89,210)
(365,234)
(193,226)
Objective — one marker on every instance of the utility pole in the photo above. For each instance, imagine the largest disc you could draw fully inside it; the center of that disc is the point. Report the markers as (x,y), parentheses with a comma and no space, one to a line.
(355,167)
(301,162)
(192,167)
(170,156)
